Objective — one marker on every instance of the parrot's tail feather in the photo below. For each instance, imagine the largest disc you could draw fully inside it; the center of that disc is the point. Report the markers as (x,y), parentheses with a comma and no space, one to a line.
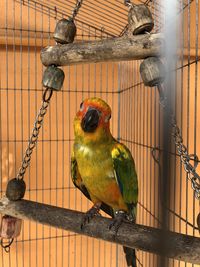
(130,256)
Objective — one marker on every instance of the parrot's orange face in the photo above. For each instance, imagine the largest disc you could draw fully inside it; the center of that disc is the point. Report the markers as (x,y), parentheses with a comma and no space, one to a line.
(93,114)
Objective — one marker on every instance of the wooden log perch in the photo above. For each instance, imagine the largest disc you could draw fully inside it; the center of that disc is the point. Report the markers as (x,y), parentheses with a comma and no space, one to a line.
(116,49)
(178,246)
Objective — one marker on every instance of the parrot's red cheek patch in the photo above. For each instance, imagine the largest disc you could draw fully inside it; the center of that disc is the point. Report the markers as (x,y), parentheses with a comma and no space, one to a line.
(78,114)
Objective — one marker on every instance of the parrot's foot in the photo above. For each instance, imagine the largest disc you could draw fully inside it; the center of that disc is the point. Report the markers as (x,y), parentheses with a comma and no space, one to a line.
(91,213)
(120,217)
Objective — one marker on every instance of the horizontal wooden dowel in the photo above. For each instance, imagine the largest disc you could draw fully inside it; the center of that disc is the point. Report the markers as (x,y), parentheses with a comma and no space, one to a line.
(115,49)
(178,246)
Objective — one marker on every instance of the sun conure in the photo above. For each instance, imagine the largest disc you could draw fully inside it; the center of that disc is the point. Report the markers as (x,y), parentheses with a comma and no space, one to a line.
(103,168)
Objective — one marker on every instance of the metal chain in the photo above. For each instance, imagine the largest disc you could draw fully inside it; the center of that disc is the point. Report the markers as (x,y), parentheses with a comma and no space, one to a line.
(35,132)
(77,7)
(6,246)
(182,150)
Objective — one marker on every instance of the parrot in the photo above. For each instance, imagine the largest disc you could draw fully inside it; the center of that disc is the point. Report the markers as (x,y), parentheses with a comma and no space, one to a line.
(103,169)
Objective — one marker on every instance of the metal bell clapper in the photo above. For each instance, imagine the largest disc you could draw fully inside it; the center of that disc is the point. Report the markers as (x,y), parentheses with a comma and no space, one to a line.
(10,229)
(65,31)
(53,78)
(152,71)
(140,19)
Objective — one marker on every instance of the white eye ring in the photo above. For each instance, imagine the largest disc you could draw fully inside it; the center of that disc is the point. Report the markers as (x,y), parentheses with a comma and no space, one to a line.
(107,118)
(81,106)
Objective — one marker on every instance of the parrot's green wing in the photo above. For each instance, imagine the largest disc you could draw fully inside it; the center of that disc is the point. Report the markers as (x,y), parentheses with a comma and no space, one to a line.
(125,174)
(78,182)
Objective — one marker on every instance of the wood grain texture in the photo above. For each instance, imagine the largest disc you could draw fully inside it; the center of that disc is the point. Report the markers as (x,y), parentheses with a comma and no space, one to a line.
(115,49)
(177,246)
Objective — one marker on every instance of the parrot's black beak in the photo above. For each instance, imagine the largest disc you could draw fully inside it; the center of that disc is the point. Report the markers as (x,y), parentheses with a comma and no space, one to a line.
(90,121)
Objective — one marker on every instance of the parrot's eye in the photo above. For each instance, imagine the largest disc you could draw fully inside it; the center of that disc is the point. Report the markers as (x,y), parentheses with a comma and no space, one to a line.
(81,106)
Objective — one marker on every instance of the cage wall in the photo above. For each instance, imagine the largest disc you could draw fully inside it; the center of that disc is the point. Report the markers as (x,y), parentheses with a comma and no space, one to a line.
(26,27)
(24,31)
(141,129)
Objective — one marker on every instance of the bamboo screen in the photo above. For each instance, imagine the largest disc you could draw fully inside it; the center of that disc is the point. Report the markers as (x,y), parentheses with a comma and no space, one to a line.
(27,26)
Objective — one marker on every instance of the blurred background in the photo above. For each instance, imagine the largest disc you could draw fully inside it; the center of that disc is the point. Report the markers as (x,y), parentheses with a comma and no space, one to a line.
(26,26)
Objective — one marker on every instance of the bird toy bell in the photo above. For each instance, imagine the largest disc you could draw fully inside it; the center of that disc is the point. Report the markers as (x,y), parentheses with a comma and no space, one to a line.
(140,19)
(53,78)
(152,71)
(15,189)
(65,31)
(10,229)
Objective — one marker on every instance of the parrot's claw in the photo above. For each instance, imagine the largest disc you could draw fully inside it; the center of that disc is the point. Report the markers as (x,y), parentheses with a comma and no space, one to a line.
(91,213)
(120,217)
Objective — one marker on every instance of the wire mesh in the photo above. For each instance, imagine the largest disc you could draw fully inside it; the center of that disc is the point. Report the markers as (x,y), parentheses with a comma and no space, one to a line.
(27,26)
(182,208)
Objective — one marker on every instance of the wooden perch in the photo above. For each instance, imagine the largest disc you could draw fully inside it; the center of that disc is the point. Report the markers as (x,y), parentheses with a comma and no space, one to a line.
(178,246)
(116,49)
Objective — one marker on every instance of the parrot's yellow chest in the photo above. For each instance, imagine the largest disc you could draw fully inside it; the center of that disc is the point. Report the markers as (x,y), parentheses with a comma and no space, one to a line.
(96,169)
(94,164)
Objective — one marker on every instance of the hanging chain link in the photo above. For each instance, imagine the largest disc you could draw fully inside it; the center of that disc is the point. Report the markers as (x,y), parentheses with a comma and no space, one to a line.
(77,7)
(182,150)
(186,158)
(6,245)
(35,132)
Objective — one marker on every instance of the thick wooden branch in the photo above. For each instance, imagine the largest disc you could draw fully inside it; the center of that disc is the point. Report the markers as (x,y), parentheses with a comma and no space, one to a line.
(116,49)
(178,246)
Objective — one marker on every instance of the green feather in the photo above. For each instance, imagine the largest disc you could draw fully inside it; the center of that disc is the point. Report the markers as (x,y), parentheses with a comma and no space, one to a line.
(126,175)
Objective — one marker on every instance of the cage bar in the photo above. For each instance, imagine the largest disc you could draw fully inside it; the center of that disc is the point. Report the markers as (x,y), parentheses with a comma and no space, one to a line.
(26,27)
